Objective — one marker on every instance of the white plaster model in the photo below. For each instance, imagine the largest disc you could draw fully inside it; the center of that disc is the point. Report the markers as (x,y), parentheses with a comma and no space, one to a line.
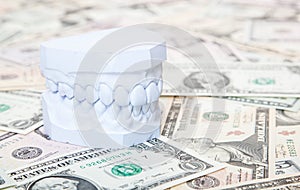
(124,96)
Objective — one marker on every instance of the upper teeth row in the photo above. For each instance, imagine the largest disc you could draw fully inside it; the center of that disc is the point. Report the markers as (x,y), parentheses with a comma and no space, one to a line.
(138,96)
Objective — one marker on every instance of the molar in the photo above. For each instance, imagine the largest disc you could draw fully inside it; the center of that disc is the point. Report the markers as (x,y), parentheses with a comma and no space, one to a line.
(52,85)
(91,94)
(105,94)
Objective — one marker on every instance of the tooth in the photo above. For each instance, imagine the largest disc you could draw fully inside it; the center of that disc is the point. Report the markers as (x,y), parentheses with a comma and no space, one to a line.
(61,90)
(138,96)
(91,94)
(124,117)
(100,108)
(160,86)
(121,96)
(85,107)
(136,110)
(68,91)
(143,119)
(79,93)
(105,94)
(145,108)
(137,117)
(51,85)
(148,114)
(152,93)
(130,108)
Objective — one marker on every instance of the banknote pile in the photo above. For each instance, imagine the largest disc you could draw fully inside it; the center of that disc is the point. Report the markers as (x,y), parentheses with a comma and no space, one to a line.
(235,127)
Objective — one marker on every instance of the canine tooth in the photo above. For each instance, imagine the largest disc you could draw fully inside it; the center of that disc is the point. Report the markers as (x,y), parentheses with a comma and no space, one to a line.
(136,110)
(105,94)
(137,117)
(145,108)
(91,94)
(79,93)
(138,96)
(121,96)
(152,93)
(51,85)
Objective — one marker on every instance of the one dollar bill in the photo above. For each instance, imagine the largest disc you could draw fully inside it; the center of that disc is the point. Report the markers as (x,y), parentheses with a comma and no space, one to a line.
(232,79)
(241,136)
(155,164)
(282,183)
(20,111)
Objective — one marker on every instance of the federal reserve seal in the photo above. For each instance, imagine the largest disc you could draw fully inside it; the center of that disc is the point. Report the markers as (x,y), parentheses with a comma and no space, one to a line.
(125,170)
(203,182)
(193,165)
(26,153)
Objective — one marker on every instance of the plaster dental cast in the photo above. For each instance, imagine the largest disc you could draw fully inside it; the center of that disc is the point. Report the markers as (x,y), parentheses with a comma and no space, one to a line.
(114,104)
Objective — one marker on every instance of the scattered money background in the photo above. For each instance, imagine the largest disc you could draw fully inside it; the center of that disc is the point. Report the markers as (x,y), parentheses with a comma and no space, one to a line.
(256,44)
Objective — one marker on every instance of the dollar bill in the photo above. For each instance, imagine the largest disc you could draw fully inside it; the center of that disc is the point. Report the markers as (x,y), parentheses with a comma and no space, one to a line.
(290,104)
(155,164)
(233,79)
(287,134)
(280,30)
(234,175)
(227,176)
(283,183)
(5,181)
(20,111)
(287,118)
(15,76)
(287,142)
(235,134)
(17,150)
(287,166)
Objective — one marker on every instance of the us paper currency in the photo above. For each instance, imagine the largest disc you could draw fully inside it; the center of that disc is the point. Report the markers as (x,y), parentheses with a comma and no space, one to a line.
(233,175)
(282,183)
(16,76)
(20,111)
(155,164)
(274,30)
(237,135)
(287,134)
(226,176)
(287,118)
(287,166)
(17,150)
(232,79)
(287,142)
(5,181)
(290,104)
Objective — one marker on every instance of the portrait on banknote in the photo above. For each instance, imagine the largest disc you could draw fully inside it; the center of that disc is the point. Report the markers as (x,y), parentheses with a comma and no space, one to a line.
(202,81)
(244,153)
(59,182)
